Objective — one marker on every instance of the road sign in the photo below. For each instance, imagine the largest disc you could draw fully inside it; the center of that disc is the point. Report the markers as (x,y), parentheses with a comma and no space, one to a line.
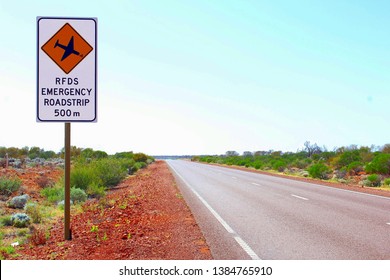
(67,69)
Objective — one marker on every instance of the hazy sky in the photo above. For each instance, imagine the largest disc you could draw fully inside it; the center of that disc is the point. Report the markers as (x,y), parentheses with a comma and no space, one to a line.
(204,77)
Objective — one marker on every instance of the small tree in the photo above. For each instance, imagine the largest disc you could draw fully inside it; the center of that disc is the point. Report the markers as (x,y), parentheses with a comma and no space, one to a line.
(311,149)
(386,149)
(231,154)
(247,154)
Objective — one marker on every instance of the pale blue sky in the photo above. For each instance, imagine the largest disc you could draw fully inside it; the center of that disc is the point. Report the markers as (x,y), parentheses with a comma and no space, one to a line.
(204,77)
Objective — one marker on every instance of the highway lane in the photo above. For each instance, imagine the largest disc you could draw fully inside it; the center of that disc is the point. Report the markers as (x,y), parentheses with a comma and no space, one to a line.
(245,215)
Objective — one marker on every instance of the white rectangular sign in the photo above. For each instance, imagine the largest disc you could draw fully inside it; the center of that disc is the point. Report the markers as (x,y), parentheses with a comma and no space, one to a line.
(67,69)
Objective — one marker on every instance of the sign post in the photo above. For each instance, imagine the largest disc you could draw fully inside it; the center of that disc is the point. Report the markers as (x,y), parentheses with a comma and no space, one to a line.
(66,80)
(68,234)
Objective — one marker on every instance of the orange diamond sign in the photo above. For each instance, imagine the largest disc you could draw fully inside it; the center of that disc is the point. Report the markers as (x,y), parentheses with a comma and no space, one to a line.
(67,48)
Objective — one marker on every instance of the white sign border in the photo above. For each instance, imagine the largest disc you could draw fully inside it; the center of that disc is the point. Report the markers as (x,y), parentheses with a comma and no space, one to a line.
(95,20)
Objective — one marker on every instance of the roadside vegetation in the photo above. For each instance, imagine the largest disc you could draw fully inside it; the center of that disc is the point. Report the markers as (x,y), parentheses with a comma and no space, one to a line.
(367,166)
(26,221)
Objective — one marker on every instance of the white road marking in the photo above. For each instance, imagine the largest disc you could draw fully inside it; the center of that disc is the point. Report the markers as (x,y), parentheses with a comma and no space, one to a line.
(238,239)
(388,224)
(355,192)
(246,248)
(234,177)
(256,184)
(300,197)
(312,183)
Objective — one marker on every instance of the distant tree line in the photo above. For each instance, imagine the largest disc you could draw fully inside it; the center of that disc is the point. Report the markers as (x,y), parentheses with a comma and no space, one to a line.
(30,152)
(76,152)
(317,161)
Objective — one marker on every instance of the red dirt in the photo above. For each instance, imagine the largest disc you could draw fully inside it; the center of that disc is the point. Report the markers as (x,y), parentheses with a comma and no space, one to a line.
(33,180)
(145,218)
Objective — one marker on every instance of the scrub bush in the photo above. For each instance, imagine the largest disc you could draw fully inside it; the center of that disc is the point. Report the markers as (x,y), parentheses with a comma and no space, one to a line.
(82,176)
(9,185)
(77,195)
(20,220)
(319,170)
(355,167)
(34,211)
(38,237)
(96,191)
(380,164)
(109,171)
(374,180)
(53,195)
(18,202)
(279,165)
(6,221)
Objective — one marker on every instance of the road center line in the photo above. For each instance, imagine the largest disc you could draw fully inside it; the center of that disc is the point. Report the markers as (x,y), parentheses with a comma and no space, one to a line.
(300,197)
(256,184)
(388,224)
(236,237)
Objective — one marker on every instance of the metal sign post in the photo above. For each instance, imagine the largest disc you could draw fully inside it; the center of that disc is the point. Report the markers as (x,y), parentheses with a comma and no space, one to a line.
(66,80)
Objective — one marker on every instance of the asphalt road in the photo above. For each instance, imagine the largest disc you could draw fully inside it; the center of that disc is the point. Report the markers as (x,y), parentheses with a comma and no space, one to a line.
(245,215)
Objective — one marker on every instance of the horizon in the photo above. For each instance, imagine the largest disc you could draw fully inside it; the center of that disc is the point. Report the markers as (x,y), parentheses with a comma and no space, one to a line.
(323,148)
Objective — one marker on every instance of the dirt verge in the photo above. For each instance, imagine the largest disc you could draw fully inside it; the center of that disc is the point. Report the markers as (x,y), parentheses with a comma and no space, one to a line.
(145,218)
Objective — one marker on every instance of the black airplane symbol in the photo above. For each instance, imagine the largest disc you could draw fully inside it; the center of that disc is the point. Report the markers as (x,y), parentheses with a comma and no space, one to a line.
(69,49)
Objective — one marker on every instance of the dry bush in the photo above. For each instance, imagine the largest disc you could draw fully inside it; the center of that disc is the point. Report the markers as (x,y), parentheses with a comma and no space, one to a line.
(38,236)
(44,182)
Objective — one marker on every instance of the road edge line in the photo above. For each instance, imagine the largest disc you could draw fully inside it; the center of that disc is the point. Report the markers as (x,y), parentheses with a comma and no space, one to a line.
(238,239)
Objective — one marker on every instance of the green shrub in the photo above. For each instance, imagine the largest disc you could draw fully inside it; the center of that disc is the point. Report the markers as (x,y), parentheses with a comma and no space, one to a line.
(54,194)
(109,171)
(386,182)
(258,165)
(380,164)
(9,185)
(348,157)
(6,221)
(96,175)
(140,157)
(77,195)
(355,167)
(126,163)
(279,165)
(82,176)
(96,191)
(374,179)
(34,211)
(319,170)
(136,166)
(20,220)
(302,164)
(6,251)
